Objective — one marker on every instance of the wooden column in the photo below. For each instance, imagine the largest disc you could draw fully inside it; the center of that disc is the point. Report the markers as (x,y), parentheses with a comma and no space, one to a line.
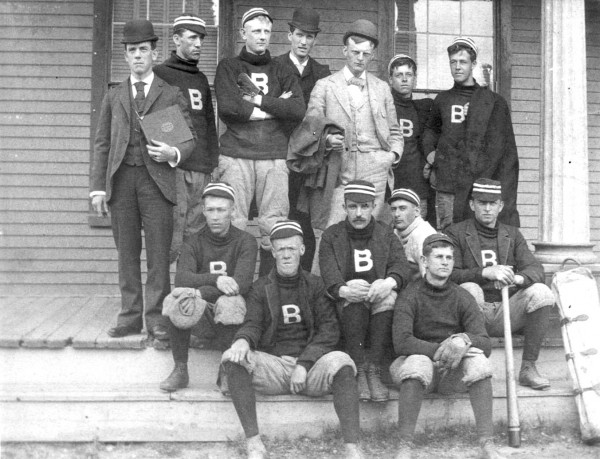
(564,183)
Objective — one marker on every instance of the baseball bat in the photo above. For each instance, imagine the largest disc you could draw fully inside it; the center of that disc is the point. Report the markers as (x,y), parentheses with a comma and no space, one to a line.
(514,427)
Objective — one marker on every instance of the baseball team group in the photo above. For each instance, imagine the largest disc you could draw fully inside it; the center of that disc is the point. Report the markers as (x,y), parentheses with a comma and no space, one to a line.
(388,224)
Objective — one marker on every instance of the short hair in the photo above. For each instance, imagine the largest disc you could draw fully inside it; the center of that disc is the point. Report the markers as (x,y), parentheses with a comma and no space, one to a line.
(457,47)
(359,39)
(427,249)
(152,44)
(403,61)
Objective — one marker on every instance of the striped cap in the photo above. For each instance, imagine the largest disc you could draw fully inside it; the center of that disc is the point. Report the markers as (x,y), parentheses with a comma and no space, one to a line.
(406,194)
(190,22)
(486,189)
(397,57)
(466,41)
(254,12)
(220,190)
(285,228)
(359,191)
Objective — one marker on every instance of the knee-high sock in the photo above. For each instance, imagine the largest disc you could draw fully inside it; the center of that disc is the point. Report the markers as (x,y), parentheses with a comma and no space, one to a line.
(345,402)
(355,323)
(243,396)
(409,406)
(535,330)
(180,343)
(380,335)
(481,396)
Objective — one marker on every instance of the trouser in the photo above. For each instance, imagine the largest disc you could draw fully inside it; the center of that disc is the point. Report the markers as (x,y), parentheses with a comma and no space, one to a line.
(444,207)
(136,200)
(188,218)
(268,179)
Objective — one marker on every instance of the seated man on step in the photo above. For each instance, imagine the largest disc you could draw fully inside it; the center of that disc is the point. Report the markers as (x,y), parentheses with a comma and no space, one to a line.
(490,255)
(286,344)
(219,261)
(443,346)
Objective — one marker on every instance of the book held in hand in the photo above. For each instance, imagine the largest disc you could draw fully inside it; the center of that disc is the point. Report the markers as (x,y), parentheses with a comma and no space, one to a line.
(167,125)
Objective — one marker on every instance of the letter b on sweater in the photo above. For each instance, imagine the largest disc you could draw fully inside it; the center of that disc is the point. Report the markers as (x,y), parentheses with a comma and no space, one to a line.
(362,261)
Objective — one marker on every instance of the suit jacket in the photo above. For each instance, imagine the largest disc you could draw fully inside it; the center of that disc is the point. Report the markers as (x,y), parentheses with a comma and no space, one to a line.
(512,251)
(386,250)
(311,74)
(262,316)
(112,136)
(330,98)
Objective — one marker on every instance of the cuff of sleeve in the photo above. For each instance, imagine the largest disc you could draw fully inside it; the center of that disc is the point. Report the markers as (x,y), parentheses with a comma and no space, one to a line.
(258,114)
(334,291)
(305,363)
(398,157)
(176,162)
(398,280)
(97,193)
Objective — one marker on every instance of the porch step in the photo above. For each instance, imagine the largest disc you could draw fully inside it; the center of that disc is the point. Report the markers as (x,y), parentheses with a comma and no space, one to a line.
(73,394)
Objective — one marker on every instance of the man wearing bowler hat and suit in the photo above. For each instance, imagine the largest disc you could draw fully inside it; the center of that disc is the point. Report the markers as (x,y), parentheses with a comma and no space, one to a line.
(363,105)
(135,177)
(304,28)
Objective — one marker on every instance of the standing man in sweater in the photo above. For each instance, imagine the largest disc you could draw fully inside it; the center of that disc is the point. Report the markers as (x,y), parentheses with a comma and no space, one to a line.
(257,99)
(443,346)
(287,345)
(412,117)
(469,135)
(219,261)
(136,176)
(193,174)
(304,28)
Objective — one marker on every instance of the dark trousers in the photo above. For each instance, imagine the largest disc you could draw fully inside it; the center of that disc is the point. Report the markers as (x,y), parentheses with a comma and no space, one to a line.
(137,201)
(295,182)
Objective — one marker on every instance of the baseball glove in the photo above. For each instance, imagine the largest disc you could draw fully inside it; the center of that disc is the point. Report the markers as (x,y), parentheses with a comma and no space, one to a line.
(247,86)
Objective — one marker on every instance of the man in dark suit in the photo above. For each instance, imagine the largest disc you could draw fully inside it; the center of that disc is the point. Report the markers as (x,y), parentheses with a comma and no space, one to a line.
(304,28)
(135,176)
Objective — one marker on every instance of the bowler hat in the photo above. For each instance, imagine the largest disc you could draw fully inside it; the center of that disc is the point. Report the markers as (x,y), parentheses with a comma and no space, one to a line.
(363,28)
(138,31)
(305,19)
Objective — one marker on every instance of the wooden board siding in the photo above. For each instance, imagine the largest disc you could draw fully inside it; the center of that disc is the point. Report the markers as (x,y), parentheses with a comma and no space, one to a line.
(525,107)
(46,245)
(592,14)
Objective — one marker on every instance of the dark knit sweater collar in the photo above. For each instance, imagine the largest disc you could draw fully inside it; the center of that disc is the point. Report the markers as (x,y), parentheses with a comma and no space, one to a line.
(484,231)
(399,100)
(219,240)
(287,282)
(465,90)
(434,289)
(363,233)
(255,59)
(176,62)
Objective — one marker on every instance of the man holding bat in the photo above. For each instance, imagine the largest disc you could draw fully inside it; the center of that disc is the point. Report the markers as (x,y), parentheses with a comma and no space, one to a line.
(442,344)
(491,255)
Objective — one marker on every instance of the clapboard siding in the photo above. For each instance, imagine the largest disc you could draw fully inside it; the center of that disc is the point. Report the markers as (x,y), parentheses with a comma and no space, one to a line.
(47,246)
(593,80)
(525,107)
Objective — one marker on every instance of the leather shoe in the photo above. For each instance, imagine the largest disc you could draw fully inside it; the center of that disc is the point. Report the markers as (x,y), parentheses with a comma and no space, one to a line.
(379,392)
(178,379)
(529,376)
(159,332)
(122,330)
(364,393)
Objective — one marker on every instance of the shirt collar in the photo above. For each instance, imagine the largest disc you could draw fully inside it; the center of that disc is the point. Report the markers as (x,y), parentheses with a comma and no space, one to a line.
(148,80)
(348,74)
(296,62)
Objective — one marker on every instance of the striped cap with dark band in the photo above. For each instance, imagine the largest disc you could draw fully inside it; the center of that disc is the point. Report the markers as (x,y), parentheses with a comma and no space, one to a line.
(220,190)
(486,189)
(285,228)
(254,12)
(359,191)
(405,193)
(397,57)
(466,41)
(190,22)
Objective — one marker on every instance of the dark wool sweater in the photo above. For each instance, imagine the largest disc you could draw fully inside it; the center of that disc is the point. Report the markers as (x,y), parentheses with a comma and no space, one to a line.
(194,86)
(412,117)
(291,334)
(358,240)
(205,257)
(425,315)
(262,139)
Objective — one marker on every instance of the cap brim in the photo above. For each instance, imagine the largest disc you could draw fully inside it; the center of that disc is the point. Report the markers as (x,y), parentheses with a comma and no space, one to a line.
(486,196)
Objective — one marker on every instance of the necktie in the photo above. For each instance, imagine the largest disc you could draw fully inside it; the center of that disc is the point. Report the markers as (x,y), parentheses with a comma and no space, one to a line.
(360,82)
(140,97)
